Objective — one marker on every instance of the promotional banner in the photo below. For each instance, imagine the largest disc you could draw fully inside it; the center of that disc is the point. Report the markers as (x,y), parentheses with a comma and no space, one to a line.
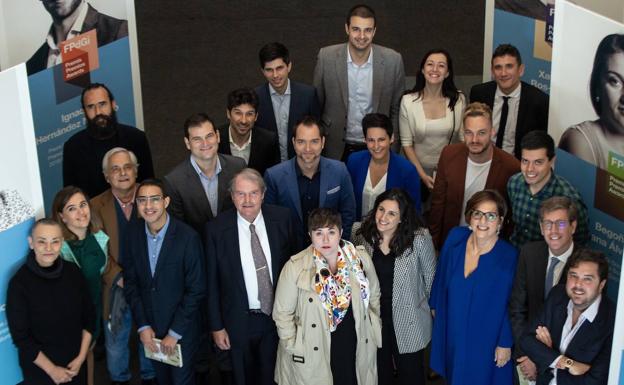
(66,45)
(527,25)
(587,122)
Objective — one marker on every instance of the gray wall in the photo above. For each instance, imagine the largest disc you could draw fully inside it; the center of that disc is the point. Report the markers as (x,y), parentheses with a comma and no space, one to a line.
(192,53)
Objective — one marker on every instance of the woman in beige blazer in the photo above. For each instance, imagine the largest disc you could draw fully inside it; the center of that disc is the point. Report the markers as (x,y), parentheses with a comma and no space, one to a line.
(327,311)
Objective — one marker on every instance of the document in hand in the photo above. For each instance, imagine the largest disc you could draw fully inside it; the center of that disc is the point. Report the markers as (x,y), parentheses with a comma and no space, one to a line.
(174,360)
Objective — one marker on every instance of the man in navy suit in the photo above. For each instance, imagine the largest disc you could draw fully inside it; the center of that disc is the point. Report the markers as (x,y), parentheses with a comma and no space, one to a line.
(164,282)
(283,101)
(246,249)
(571,339)
(309,181)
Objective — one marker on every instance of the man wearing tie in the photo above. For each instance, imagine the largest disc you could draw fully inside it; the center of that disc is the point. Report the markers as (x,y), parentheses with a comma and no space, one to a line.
(246,249)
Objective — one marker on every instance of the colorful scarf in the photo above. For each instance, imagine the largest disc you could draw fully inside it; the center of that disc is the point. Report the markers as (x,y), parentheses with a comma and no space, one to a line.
(334,290)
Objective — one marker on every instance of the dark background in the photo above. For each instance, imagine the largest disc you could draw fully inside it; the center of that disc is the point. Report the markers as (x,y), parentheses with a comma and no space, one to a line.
(193,52)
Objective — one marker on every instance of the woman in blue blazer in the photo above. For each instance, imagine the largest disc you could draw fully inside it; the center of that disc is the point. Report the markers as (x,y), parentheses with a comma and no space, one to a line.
(378,169)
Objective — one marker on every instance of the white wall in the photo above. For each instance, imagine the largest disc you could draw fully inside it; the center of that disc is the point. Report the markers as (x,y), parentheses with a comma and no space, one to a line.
(613,9)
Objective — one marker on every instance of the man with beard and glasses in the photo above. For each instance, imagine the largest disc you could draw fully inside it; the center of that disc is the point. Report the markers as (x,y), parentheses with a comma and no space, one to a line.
(84,151)
(70,18)
(466,168)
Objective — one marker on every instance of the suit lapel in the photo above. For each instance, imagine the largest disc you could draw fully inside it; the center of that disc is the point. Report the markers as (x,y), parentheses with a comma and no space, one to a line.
(267,108)
(378,77)
(224,179)
(540,264)
(274,244)
(341,71)
(109,218)
(560,314)
(324,182)
(293,188)
(231,230)
(167,246)
(196,190)
(461,165)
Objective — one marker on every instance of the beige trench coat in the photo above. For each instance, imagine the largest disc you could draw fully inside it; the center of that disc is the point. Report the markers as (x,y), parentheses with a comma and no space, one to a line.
(304,348)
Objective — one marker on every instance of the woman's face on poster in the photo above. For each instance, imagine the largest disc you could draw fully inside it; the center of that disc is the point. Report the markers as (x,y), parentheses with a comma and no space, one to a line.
(612,93)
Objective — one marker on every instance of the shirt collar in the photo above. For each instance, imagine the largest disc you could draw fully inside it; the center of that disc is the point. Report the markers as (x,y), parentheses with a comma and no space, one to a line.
(75,29)
(244,146)
(563,257)
(200,172)
(590,313)
(131,202)
(369,61)
(273,92)
(161,233)
(514,94)
(246,223)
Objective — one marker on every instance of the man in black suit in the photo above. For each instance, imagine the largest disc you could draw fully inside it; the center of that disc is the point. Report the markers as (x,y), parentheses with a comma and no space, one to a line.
(517,107)
(571,338)
(246,249)
(540,267)
(69,19)
(164,282)
(198,185)
(283,101)
(83,152)
(241,137)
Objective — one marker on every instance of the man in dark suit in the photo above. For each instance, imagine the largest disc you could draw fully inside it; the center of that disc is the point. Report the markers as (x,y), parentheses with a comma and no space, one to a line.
(241,137)
(69,19)
(356,78)
(198,185)
(517,107)
(309,181)
(246,249)
(282,102)
(571,338)
(83,151)
(466,168)
(540,267)
(117,210)
(165,282)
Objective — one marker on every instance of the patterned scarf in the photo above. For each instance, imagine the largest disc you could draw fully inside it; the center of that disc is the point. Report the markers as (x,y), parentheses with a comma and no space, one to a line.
(334,290)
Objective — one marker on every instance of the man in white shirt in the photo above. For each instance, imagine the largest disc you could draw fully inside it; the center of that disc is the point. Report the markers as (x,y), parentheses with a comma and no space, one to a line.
(570,341)
(245,251)
(540,267)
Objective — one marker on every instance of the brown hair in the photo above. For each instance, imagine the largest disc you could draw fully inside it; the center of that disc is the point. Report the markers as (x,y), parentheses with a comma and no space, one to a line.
(324,217)
(476,109)
(559,203)
(60,201)
(486,196)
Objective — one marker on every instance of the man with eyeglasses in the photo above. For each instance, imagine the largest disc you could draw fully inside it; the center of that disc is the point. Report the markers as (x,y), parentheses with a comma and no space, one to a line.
(535,183)
(540,267)
(117,209)
(466,168)
(245,250)
(164,282)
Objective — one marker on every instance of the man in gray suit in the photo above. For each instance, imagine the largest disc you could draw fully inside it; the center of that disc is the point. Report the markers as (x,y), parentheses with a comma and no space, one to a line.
(356,78)
(198,186)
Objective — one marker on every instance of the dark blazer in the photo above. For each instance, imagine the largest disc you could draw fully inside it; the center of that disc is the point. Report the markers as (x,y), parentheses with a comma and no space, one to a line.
(227,295)
(591,345)
(447,197)
(527,294)
(188,197)
(401,174)
(264,151)
(82,158)
(171,298)
(336,191)
(303,102)
(108,29)
(532,110)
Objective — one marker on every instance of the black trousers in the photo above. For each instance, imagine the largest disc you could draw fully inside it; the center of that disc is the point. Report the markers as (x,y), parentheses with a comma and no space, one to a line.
(409,366)
(253,362)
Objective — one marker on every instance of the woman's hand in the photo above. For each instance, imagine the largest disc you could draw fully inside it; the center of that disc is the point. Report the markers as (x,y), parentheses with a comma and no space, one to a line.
(428,181)
(61,375)
(76,363)
(502,356)
(543,335)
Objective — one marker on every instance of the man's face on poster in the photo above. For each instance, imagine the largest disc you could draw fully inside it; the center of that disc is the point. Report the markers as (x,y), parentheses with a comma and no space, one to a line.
(60,9)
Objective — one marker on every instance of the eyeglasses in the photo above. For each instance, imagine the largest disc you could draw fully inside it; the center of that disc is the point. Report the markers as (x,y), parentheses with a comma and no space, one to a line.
(489,216)
(142,200)
(559,224)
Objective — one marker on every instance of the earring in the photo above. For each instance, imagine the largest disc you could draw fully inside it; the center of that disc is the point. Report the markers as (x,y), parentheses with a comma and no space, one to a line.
(469,227)
(498,230)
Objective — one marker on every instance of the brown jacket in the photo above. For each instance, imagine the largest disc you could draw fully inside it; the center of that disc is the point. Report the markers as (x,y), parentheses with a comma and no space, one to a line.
(448,190)
(303,353)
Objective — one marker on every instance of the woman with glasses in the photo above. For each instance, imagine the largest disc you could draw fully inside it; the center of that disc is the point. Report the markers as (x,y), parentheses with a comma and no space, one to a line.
(472,337)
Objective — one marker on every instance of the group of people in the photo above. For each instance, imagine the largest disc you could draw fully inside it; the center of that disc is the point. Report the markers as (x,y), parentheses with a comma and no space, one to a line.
(291,245)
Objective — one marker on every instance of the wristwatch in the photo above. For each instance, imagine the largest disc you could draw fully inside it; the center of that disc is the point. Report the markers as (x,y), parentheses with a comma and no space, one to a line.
(568,362)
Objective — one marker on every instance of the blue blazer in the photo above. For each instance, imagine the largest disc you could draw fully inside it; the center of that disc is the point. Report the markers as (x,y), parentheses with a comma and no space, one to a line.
(171,298)
(336,191)
(303,102)
(401,174)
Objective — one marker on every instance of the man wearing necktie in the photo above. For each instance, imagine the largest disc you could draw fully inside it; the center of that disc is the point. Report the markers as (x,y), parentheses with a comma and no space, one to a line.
(541,266)
(517,107)
(245,251)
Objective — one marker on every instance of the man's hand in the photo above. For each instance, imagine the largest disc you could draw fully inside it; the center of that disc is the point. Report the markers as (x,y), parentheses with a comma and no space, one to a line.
(120,282)
(543,335)
(147,339)
(167,345)
(221,339)
(528,368)
(502,356)
(577,368)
